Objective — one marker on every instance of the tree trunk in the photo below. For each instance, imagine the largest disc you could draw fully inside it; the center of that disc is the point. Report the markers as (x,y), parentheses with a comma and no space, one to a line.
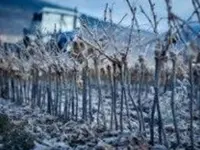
(125,80)
(90,99)
(115,95)
(156,104)
(49,96)
(122,98)
(76,95)
(172,100)
(84,94)
(139,96)
(191,103)
(111,93)
(100,100)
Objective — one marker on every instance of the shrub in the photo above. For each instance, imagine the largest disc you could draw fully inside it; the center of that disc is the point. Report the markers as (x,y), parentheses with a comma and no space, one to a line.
(4,123)
(14,136)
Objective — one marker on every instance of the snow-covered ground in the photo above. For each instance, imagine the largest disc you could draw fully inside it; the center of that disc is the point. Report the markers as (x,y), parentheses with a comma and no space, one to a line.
(52,133)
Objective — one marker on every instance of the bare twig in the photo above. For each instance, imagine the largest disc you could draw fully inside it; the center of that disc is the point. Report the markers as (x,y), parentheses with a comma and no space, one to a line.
(105,12)
(148,18)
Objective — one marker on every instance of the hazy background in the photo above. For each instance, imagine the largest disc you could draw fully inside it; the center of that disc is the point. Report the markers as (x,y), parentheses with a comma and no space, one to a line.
(96,8)
(17,14)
